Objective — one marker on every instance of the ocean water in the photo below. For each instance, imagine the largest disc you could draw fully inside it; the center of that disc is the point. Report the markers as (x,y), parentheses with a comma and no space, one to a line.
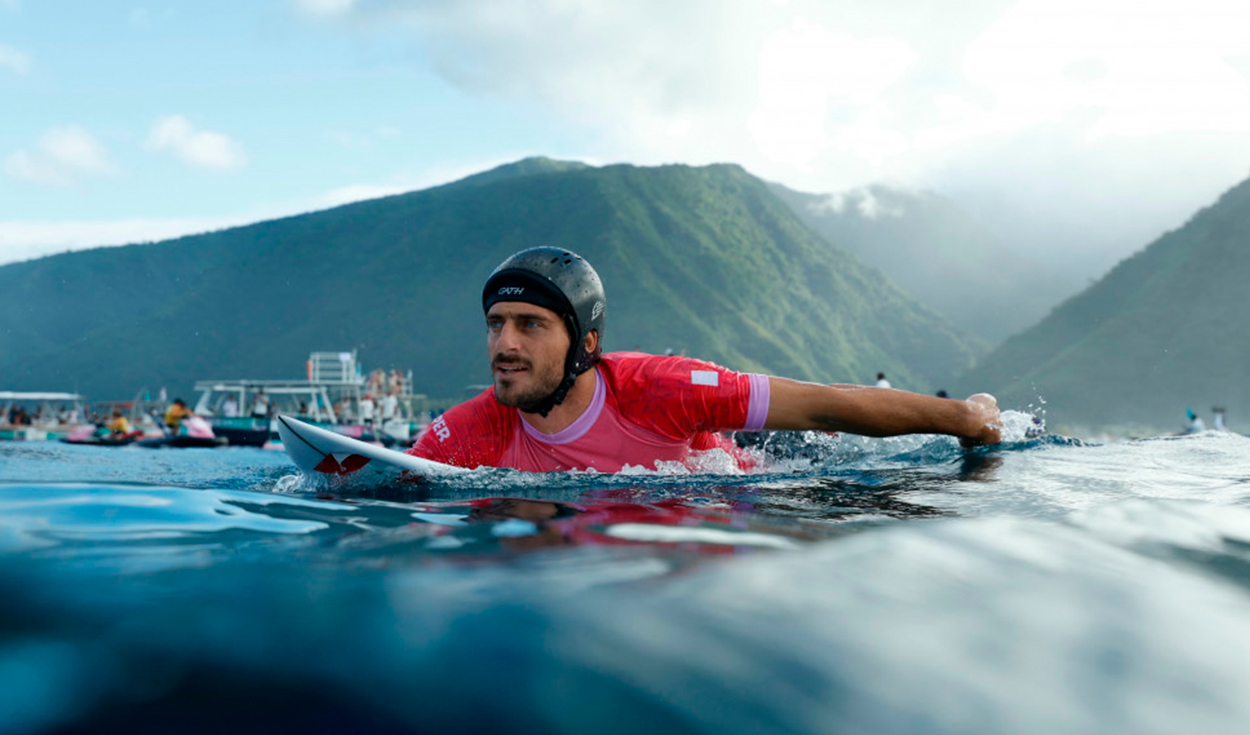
(850,585)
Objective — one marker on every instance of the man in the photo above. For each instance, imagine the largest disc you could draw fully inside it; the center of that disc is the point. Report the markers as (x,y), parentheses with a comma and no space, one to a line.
(177,412)
(118,427)
(260,405)
(559,403)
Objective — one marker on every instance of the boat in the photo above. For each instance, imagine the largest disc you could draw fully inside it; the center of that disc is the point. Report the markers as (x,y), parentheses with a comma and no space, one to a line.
(329,396)
(182,441)
(96,436)
(39,416)
(195,433)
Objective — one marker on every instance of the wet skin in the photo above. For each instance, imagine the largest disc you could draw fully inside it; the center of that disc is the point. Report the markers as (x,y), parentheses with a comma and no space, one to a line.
(527,345)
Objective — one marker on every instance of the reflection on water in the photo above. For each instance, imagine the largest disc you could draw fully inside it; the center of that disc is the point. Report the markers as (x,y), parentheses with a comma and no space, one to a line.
(891,586)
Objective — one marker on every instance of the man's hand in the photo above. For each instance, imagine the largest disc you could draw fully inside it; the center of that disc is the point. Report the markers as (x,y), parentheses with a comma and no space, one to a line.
(987,421)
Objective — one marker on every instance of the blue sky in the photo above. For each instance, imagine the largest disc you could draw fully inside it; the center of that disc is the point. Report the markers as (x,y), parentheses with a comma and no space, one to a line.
(1071,127)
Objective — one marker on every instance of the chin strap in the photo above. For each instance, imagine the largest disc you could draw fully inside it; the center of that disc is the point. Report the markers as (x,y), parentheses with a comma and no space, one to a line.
(543,407)
(576,363)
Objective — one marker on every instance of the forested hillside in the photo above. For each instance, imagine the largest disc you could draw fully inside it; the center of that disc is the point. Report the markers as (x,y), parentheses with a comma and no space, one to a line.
(703,260)
(1165,329)
(938,254)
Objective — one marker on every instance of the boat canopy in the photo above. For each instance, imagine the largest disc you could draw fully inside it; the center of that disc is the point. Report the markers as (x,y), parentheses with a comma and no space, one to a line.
(9,395)
(320,404)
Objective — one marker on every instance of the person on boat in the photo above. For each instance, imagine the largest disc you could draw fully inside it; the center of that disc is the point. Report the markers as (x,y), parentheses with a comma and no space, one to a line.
(560,403)
(230,407)
(1196,424)
(366,410)
(390,406)
(175,414)
(260,405)
(881,381)
(118,427)
(1218,422)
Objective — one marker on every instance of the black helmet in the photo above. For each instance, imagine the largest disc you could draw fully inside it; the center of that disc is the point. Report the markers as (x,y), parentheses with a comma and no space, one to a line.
(564,282)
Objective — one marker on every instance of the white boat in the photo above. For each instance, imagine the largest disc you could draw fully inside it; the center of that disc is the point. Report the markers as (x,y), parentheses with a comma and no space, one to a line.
(39,416)
(329,396)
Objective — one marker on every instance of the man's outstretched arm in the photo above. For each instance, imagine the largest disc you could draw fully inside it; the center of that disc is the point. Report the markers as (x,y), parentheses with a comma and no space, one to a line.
(856,409)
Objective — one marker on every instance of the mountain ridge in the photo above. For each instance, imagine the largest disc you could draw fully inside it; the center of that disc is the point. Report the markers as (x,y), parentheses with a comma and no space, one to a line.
(1164,329)
(701,259)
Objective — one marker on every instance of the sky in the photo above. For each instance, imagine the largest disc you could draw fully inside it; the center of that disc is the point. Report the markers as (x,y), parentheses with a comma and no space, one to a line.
(1076,130)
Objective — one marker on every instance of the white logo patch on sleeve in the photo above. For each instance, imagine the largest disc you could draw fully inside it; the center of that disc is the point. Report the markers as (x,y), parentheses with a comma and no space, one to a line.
(705,377)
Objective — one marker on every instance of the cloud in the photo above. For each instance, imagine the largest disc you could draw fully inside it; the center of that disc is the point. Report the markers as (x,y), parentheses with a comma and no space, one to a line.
(318,8)
(61,157)
(803,91)
(1084,107)
(14,60)
(864,200)
(201,148)
(23,240)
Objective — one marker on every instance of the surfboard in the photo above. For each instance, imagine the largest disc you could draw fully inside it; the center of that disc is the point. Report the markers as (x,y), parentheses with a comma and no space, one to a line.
(324,453)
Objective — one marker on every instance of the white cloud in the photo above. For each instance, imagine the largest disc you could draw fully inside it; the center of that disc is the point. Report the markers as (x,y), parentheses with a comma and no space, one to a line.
(813,93)
(864,200)
(806,70)
(14,60)
(1021,106)
(23,240)
(61,157)
(75,148)
(317,8)
(1132,67)
(201,148)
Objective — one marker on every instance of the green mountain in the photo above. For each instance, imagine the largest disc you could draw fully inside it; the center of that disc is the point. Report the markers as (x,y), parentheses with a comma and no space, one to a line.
(937,253)
(1167,328)
(702,260)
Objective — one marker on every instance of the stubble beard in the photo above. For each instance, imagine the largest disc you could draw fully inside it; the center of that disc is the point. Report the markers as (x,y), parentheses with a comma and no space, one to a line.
(530,400)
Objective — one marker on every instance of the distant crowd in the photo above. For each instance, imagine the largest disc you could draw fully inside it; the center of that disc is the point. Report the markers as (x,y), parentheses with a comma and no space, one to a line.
(18,416)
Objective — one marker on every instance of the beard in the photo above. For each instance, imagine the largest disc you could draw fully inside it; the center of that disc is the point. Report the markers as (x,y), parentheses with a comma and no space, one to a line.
(527,399)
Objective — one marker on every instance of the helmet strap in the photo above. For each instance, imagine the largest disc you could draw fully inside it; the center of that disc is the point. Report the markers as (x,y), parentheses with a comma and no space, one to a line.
(544,407)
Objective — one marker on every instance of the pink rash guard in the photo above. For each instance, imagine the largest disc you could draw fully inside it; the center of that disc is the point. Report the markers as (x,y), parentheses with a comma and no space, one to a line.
(645,409)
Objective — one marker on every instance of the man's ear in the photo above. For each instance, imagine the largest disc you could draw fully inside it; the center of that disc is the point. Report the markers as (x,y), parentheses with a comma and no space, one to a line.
(592,341)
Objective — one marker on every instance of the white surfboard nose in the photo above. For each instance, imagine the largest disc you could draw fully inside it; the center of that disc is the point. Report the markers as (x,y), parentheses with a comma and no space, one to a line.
(298,443)
(319,451)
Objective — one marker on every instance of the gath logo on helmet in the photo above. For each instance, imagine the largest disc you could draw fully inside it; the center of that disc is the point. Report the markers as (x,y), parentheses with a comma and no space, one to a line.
(562,281)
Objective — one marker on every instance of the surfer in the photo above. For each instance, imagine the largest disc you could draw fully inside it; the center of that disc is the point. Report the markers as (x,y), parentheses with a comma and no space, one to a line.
(559,402)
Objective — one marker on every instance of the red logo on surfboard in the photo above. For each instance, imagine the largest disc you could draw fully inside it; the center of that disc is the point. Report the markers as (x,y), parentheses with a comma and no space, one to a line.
(332,466)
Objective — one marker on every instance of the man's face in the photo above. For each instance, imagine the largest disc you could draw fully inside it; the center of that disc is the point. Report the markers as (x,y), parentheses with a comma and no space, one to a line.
(527,345)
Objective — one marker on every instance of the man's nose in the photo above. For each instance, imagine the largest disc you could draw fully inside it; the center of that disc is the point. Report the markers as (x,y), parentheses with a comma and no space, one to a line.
(507,338)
